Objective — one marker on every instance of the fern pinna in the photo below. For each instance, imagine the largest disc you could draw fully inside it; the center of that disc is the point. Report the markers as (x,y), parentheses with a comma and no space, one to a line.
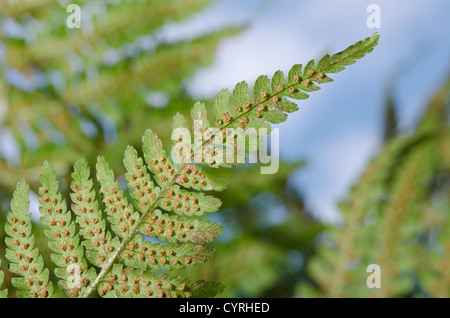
(100,246)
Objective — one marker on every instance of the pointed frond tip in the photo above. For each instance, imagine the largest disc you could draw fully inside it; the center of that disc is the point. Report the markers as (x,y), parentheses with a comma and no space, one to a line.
(245,115)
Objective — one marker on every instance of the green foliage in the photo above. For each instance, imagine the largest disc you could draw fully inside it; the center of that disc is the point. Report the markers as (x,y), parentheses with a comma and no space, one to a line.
(61,232)
(397,217)
(251,116)
(92,80)
(128,282)
(3,293)
(167,196)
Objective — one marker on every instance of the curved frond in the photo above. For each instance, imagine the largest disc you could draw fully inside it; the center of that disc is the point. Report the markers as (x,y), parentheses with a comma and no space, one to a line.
(20,251)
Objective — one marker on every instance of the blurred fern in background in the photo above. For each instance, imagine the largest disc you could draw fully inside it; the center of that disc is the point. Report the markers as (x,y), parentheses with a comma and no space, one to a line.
(70,92)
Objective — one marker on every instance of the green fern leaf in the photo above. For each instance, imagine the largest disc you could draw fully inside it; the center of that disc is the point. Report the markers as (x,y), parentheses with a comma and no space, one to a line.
(142,254)
(25,259)
(128,262)
(73,271)
(251,118)
(98,242)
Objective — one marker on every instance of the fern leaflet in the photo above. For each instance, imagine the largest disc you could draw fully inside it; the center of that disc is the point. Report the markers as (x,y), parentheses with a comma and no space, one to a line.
(167,194)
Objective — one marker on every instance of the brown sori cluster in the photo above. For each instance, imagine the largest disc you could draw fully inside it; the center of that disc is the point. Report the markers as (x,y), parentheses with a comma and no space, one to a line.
(137,283)
(209,142)
(210,155)
(372,181)
(119,211)
(25,260)
(156,256)
(164,170)
(188,203)
(193,177)
(175,199)
(181,202)
(60,230)
(269,102)
(89,217)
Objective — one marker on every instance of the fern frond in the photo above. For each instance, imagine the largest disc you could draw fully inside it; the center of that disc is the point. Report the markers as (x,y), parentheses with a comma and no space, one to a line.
(128,282)
(127,261)
(435,260)
(191,176)
(98,242)
(182,202)
(60,229)
(434,265)
(20,251)
(110,32)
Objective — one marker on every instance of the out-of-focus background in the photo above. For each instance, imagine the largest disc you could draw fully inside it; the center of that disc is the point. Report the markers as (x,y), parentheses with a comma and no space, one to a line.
(133,64)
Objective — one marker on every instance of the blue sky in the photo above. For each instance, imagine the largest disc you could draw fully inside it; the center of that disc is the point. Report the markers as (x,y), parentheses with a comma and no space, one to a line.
(338,129)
